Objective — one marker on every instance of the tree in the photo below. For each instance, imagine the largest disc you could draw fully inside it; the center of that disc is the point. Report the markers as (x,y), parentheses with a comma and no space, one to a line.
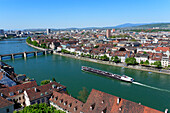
(82,55)
(112,58)
(141,62)
(105,58)
(116,59)
(146,62)
(53,79)
(39,108)
(83,94)
(43,45)
(144,52)
(130,61)
(34,43)
(157,64)
(45,82)
(28,40)
(96,46)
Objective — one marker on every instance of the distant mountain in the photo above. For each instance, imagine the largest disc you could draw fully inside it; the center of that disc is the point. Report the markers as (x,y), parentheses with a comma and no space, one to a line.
(154,25)
(128,25)
(122,26)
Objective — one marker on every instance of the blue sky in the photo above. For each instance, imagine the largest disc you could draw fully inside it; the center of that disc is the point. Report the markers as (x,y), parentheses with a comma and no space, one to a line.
(21,14)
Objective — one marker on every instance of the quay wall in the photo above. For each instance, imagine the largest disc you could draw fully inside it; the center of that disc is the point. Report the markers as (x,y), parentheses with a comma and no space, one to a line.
(39,48)
(114,64)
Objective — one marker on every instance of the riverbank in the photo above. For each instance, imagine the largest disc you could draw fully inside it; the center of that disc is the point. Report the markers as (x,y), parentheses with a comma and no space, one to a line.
(39,48)
(111,63)
(136,67)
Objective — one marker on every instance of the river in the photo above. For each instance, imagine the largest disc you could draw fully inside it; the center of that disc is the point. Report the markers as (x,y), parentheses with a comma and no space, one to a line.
(150,89)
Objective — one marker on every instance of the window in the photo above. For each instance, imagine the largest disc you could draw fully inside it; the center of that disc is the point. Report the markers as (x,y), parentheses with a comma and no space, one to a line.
(19,98)
(75,109)
(104,111)
(70,105)
(38,101)
(7,110)
(42,100)
(23,97)
(32,103)
(92,106)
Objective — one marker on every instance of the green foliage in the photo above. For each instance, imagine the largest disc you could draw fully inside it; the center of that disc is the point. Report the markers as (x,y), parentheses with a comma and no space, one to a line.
(141,62)
(96,46)
(53,79)
(149,30)
(43,45)
(131,61)
(65,51)
(144,52)
(39,108)
(146,62)
(45,82)
(28,40)
(34,43)
(83,94)
(134,40)
(116,59)
(157,64)
(88,55)
(73,53)
(82,55)
(120,36)
(105,58)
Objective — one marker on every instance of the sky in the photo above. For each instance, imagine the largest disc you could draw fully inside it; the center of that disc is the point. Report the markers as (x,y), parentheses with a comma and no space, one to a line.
(28,14)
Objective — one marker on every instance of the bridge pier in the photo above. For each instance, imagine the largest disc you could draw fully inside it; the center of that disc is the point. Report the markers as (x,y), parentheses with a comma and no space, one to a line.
(35,53)
(12,56)
(0,57)
(25,55)
(45,52)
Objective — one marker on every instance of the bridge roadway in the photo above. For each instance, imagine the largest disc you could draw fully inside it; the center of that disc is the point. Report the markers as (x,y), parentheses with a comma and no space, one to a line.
(24,54)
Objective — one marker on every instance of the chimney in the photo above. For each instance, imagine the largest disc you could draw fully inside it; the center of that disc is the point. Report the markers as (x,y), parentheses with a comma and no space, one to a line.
(166,111)
(35,89)
(118,100)
(2,95)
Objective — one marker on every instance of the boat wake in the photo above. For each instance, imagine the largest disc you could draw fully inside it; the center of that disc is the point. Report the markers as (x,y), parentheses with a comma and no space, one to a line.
(140,84)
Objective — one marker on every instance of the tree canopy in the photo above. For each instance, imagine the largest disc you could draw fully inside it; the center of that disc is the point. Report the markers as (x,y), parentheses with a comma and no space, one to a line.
(157,64)
(105,58)
(39,108)
(130,61)
(45,82)
(83,94)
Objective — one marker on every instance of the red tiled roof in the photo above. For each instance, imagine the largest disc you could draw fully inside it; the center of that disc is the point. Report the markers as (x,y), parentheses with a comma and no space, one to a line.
(66,102)
(162,49)
(100,101)
(43,90)
(15,89)
(4,102)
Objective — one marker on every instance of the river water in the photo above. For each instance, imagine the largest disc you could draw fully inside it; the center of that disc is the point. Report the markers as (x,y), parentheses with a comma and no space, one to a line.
(150,89)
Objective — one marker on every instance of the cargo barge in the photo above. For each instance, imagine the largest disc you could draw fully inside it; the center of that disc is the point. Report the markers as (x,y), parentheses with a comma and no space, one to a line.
(108,74)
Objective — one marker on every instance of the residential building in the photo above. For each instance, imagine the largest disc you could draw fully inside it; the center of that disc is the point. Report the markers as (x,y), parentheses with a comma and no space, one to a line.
(16,93)
(108,33)
(42,94)
(48,31)
(6,106)
(97,102)
(1,32)
(65,102)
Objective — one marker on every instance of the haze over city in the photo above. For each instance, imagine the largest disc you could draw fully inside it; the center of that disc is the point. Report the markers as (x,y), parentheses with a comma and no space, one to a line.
(19,14)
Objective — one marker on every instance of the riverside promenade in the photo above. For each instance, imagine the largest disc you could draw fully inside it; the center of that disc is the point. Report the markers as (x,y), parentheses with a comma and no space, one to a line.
(136,67)
(162,71)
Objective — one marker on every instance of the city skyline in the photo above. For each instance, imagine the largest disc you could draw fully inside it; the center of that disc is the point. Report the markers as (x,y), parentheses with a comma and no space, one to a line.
(17,14)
